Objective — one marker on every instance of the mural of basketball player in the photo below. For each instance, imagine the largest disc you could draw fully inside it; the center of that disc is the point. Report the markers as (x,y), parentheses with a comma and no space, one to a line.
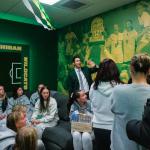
(143,9)
(114,45)
(70,39)
(86,48)
(97,30)
(129,41)
(97,36)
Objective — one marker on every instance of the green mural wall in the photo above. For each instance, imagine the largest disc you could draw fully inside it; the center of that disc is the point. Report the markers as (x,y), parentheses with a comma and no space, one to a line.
(117,34)
(42,50)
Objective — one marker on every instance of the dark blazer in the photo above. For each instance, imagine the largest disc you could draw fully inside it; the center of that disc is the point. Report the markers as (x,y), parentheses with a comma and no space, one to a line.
(139,130)
(73,82)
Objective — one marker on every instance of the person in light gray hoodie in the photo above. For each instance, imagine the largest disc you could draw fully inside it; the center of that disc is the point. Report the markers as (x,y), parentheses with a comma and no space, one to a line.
(100,95)
(7,137)
(128,102)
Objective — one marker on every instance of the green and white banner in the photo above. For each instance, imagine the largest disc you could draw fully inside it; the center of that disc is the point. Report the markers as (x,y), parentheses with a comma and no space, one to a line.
(42,18)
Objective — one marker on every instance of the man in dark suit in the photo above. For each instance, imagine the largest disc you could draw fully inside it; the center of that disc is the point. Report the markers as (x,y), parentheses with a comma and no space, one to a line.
(80,77)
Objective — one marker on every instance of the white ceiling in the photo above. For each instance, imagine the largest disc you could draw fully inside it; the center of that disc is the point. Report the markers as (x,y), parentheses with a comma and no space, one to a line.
(62,16)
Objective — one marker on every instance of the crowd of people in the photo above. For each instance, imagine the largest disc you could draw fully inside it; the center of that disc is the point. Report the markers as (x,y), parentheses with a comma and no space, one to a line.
(113,104)
(23,120)
(115,108)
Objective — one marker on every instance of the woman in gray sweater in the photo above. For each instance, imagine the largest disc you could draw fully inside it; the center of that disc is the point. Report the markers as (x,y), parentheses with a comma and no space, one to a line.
(46,112)
(128,102)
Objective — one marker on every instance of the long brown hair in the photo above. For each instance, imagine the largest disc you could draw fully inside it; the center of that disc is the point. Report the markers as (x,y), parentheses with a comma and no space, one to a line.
(5,100)
(42,106)
(107,72)
(26,139)
(15,95)
(75,95)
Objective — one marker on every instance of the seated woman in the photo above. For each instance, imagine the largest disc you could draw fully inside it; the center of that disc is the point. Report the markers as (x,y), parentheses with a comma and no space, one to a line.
(3,103)
(19,99)
(26,139)
(16,121)
(81,105)
(45,113)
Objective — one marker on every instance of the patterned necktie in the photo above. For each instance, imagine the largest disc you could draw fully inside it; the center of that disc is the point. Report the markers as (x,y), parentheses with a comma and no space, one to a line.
(80,79)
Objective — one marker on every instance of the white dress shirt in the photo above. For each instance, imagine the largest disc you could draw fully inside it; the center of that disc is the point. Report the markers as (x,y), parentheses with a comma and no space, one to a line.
(85,83)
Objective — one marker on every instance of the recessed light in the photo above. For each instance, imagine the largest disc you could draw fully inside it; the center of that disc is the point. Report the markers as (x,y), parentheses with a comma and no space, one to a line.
(49,2)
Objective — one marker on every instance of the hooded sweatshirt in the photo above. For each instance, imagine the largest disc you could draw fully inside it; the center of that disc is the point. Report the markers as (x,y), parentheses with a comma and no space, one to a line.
(101,105)
(7,137)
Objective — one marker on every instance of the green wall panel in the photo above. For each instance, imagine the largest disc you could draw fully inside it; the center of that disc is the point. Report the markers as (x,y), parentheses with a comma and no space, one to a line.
(42,48)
